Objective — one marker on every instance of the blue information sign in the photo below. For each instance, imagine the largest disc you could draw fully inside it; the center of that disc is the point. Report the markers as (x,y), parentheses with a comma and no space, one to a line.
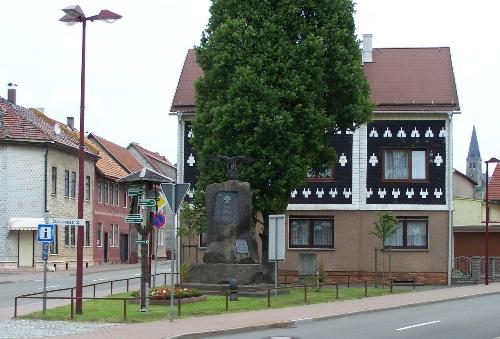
(46,233)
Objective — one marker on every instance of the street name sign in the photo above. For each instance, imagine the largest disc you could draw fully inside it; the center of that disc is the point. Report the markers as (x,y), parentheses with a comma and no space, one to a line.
(46,233)
(134,218)
(65,221)
(147,202)
(142,241)
(134,190)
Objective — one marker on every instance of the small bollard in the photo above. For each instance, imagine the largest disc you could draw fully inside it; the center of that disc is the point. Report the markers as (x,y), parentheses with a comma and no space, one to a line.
(366,289)
(233,290)
(337,290)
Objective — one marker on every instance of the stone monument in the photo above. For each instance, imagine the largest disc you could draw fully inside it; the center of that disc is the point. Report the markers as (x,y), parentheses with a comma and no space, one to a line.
(232,250)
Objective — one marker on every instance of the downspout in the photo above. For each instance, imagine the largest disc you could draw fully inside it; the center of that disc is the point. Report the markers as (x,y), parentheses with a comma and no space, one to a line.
(450,194)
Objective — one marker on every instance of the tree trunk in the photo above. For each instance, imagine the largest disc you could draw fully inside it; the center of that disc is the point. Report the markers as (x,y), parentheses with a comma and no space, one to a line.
(264,236)
(144,272)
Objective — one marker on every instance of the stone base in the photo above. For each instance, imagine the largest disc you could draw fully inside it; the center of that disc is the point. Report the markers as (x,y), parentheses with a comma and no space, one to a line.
(167,301)
(245,274)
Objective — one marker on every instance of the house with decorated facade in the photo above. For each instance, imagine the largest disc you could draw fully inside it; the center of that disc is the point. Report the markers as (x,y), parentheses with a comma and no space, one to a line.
(400,162)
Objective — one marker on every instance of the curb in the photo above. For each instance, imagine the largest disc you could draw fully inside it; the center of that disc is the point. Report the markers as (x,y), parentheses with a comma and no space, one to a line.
(292,323)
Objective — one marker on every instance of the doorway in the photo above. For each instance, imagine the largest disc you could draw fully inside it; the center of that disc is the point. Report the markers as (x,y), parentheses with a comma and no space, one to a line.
(26,247)
(124,248)
(106,244)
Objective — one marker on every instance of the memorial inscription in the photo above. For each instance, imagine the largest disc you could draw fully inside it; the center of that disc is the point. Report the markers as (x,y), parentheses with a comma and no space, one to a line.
(226,208)
(241,246)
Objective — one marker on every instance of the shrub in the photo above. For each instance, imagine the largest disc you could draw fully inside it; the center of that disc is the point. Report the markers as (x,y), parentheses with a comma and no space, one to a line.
(185,271)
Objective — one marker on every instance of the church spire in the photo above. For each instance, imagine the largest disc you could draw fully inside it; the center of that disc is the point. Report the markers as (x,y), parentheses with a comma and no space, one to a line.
(474,153)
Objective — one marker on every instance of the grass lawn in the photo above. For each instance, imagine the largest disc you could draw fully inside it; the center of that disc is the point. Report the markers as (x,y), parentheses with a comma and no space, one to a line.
(112,311)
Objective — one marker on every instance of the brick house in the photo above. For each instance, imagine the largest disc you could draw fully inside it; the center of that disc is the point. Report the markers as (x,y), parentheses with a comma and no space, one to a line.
(39,168)
(399,162)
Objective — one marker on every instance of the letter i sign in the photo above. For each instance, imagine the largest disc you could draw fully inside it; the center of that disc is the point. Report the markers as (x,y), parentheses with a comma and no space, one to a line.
(45,233)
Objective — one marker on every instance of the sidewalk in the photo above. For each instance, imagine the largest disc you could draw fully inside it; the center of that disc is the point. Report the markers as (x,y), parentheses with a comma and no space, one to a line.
(202,327)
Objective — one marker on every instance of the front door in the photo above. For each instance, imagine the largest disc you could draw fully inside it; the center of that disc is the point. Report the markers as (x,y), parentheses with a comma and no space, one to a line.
(26,246)
(124,248)
(106,244)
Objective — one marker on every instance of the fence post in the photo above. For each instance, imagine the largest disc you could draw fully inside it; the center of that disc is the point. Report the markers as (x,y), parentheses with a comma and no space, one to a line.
(111,287)
(125,309)
(127,284)
(179,306)
(337,290)
(348,281)
(305,292)
(366,289)
(268,297)
(164,278)
(72,302)
(391,286)
(227,303)
(94,290)
(15,307)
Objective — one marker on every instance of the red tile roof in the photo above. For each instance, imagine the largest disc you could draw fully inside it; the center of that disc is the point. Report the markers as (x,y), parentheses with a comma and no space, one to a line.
(154,155)
(494,184)
(19,123)
(120,156)
(400,79)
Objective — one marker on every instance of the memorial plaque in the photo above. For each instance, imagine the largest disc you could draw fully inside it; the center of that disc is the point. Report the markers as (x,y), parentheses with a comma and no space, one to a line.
(241,246)
(226,210)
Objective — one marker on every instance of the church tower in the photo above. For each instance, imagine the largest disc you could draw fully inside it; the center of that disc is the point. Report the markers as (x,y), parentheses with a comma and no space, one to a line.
(475,164)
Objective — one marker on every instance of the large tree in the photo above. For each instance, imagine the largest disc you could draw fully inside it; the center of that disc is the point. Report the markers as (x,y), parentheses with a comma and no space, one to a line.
(280,78)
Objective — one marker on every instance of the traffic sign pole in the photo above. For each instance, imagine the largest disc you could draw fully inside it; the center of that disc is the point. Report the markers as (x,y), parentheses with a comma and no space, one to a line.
(44,307)
(172,258)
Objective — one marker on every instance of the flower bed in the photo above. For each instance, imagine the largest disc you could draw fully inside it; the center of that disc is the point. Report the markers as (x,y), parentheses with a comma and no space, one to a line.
(161,295)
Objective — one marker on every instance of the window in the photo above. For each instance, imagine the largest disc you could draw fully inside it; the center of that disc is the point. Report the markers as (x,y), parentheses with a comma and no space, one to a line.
(99,190)
(124,196)
(115,194)
(53,245)
(113,240)
(404,164)
(203,239)
(99,235)
(105,192)
(54,180)
(73,184)
(66,183)
(410,233)
(326,175)
(311,232)
(87,233)
(87,188)
(69,235)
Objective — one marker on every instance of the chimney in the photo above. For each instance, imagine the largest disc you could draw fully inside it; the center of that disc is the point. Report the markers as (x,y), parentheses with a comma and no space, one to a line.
(70,122)
(367,48)
(11,92)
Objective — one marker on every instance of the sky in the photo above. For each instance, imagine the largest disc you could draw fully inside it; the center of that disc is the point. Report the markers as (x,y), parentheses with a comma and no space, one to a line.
(133,65)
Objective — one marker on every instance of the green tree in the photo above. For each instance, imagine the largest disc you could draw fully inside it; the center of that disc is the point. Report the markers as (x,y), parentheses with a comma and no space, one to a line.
(280,79)
(385,226)
(193,223)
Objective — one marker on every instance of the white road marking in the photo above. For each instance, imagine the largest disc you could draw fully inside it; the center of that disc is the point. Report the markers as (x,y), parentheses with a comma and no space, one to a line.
(418,325)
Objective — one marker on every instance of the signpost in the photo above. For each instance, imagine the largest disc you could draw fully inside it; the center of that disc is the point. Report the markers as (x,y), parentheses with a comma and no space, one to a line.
(134,219)
(147,202)
(276,244)
(134,190)
(64,221)
(174,194)
(45,236)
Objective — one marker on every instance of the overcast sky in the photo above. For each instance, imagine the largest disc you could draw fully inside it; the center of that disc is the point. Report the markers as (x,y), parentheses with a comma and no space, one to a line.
(133,65)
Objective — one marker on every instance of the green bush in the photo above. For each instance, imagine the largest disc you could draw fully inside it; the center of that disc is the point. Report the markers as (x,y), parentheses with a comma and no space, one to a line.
(185,271)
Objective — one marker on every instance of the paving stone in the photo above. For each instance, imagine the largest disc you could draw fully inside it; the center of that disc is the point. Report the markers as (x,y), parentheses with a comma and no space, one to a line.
(18,328)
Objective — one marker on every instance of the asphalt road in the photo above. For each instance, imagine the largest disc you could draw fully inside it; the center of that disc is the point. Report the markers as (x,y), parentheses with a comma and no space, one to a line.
(476,318)
(58,280)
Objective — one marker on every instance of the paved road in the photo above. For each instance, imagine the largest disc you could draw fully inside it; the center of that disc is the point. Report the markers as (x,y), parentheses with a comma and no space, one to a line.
(477,318)
(9,288)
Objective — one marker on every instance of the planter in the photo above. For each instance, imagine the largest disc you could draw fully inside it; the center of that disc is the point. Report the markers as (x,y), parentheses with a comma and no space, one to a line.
(176,301)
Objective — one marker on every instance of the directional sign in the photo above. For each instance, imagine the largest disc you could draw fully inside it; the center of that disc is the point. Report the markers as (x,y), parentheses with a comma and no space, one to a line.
(134,190)
(64,221)
(142,241)
(46,233)
(174,194)
(161,201)
(159,220)
(133,219)
(147,202)
(45,251)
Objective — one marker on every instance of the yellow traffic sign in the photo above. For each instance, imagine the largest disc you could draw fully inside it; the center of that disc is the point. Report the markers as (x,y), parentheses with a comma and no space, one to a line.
(161,201)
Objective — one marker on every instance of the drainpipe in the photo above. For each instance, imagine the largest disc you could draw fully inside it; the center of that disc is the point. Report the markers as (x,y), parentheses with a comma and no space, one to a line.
(449,169)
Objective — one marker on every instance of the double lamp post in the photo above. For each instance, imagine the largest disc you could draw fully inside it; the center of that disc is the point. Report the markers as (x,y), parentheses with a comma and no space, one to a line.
(74,14)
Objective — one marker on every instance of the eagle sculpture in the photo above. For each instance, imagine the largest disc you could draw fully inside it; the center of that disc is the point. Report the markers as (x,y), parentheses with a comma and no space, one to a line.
(232,164)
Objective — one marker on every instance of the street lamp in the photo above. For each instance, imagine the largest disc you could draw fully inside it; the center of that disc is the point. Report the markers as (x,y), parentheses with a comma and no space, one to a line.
(486,236)
(74,14)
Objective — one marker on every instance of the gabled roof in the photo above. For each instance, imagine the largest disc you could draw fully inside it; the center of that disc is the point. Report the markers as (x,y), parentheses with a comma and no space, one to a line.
(474,153)
(464,176)
(145,175)
(21,124)
(149,154)
(494,184)
(403,79)
(119,154)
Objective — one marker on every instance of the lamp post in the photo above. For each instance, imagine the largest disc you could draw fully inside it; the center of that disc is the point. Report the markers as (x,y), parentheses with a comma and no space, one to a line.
(486,235)
(74,14)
